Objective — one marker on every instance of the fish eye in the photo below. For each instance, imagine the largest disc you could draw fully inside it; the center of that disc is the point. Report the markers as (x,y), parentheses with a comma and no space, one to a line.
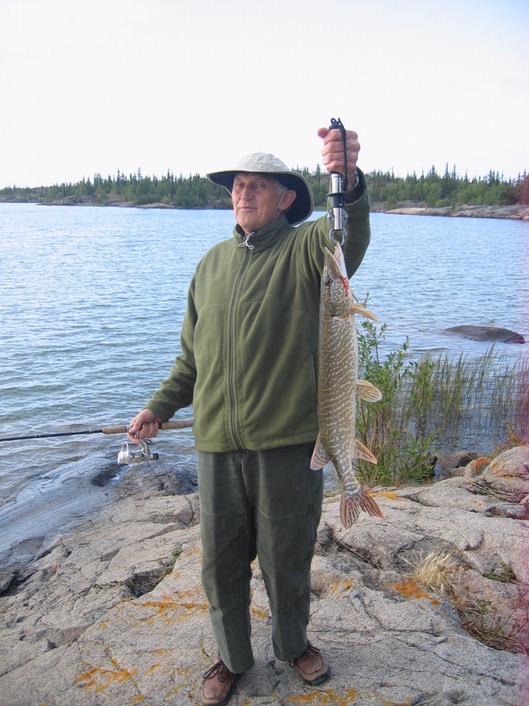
(327,281)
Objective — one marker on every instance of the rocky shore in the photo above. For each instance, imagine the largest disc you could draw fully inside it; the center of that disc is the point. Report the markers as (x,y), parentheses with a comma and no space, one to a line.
(516,212)
(426,607)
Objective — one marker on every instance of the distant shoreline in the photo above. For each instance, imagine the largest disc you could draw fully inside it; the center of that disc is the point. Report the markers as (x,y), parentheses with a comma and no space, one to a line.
(514,212)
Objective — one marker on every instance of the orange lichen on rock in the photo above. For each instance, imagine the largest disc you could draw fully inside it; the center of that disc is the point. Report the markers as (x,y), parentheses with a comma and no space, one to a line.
(181,599)
(333,697)
(341,586)
(411,589)
(390,494)
(476,467)
(501,471)
(100,678)
(261,613)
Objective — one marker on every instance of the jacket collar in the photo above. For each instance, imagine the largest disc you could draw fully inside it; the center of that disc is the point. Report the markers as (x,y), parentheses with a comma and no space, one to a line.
(265,238)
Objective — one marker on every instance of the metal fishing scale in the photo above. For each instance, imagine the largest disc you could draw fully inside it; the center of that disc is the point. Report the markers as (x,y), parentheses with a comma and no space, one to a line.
(337,214)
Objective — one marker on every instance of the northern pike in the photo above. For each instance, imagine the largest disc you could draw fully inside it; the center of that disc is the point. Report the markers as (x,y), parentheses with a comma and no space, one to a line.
(338,387)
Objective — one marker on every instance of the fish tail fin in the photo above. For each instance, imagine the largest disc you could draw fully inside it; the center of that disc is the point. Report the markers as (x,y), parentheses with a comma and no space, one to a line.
(352,505)
(319,456)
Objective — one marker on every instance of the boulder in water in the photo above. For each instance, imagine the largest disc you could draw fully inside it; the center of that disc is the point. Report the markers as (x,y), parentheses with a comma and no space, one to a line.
(493,334)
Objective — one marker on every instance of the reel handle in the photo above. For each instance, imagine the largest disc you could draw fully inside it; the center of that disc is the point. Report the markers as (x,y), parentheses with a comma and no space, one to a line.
(123,428)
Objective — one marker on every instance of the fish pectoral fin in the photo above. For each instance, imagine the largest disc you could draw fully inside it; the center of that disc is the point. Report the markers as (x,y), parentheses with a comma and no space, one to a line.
(362,453)
(362,311)
(319,456)
(367,391)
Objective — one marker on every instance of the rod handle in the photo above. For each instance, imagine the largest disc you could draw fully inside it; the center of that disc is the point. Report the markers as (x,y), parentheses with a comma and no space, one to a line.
(123,428)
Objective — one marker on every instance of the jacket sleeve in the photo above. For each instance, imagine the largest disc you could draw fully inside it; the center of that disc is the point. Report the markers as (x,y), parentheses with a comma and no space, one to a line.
(358,227)
(315,234)
(176,391)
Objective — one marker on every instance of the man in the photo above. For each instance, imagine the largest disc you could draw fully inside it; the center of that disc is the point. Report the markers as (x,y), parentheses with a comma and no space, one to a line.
(248,363)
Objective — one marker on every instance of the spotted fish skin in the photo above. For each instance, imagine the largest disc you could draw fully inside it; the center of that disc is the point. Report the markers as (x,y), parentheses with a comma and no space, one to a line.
(339,386)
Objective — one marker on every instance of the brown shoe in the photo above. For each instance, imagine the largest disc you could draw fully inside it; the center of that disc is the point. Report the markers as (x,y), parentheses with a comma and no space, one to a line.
(312,666)
(218,685)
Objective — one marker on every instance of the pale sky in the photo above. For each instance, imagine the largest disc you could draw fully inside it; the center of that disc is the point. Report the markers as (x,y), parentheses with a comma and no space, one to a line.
(190,86)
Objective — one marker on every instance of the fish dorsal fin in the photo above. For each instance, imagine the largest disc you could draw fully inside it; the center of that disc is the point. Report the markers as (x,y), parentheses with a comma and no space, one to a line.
(362,453)
(319,456)
(367,391)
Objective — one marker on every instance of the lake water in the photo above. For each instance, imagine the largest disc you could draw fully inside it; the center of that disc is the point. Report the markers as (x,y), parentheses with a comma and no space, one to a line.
(92,300)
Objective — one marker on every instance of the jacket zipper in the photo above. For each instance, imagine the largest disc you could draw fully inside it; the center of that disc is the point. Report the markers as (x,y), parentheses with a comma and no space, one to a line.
(232,351)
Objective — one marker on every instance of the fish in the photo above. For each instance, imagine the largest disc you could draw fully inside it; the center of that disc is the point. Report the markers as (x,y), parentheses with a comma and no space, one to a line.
(339,386)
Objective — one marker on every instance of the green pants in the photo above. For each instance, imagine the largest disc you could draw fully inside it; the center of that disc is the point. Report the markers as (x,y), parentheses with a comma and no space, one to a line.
(265,504)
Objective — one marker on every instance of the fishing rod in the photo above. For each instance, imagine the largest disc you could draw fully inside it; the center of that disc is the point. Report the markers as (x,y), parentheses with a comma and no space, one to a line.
(117,429)
(337,214)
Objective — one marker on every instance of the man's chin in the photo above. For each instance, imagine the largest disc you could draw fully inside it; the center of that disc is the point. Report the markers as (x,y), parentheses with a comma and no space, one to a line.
(248,225)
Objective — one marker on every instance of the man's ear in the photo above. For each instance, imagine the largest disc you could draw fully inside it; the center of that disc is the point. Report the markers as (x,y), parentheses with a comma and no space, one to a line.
(288,199)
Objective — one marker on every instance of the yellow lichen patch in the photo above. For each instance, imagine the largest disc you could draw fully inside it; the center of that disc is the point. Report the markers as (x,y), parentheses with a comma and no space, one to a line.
(138,699)
(195,550)
(172,609)
(162,603)
(179,600)
(152,668)
(411,589)
(332,697)
(261,613)
(341,586)
(500,471)
(193,606)
(390,494)
(100,678)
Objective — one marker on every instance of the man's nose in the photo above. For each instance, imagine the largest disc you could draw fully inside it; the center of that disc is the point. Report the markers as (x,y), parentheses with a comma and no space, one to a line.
(247,192)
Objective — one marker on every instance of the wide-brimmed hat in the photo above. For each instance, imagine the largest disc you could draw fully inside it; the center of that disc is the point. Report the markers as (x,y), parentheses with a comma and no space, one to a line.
(267,164)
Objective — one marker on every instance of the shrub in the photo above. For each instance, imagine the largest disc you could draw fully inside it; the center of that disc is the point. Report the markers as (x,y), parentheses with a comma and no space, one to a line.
(435,403)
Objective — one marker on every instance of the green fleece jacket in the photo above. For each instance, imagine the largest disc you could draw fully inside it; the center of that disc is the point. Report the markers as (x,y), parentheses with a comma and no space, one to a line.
(249,341)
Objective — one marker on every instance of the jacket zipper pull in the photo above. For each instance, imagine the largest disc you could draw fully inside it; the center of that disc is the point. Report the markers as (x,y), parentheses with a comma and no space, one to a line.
(245,241)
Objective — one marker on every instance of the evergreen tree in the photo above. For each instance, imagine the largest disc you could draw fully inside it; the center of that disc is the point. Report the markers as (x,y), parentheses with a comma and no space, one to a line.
(196,191)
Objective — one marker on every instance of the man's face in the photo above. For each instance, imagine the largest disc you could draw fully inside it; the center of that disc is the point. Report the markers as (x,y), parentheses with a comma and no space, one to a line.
(258,200)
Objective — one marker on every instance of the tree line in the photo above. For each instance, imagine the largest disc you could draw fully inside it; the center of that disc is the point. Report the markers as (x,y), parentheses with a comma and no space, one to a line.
(386,190)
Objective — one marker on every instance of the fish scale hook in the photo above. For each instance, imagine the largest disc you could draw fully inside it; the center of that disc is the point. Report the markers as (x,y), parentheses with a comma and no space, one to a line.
(337,215)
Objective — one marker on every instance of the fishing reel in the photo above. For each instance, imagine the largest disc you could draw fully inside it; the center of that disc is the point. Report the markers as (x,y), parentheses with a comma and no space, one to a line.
(136,453)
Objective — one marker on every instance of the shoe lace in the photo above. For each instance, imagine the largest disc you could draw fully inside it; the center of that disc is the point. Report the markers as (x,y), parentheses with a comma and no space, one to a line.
(218,669)
(311,650)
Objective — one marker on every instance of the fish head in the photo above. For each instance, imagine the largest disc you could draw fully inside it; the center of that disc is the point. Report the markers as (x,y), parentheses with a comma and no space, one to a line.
(335,287)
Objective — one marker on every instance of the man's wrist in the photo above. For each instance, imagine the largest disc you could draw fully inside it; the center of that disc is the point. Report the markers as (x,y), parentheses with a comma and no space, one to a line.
(355,191)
